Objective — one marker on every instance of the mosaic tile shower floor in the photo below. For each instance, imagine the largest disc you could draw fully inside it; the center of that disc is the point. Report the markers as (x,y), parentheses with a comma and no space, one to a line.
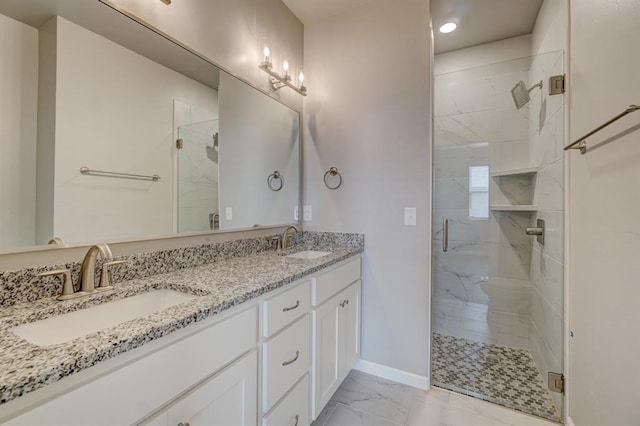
(499,374)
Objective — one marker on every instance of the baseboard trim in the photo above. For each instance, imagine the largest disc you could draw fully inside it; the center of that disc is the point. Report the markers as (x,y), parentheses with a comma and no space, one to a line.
(393,374)
(570,422)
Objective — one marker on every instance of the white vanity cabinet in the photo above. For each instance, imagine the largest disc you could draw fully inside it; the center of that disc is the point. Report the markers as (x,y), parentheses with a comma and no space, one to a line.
(286,356)
(130,388)
(336,330)
(274,360)
(227,398)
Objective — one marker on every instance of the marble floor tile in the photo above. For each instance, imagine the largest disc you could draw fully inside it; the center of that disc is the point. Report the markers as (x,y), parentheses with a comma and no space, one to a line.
(373,395)
(346,416)
(440,407)
(436,407)
(324,415)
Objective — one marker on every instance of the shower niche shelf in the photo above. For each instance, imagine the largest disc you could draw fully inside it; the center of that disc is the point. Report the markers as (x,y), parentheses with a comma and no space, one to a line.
(513,172)
(515,208)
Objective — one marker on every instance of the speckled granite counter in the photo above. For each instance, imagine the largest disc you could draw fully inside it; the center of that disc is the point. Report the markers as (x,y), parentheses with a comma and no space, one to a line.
(25,367)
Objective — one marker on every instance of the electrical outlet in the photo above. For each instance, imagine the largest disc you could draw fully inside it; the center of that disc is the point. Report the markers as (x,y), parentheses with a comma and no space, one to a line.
(306,212)
(295,213)
(228,213)
(410,216)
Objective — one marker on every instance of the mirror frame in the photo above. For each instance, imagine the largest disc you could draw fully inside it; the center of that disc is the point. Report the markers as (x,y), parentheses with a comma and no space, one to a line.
(177,235)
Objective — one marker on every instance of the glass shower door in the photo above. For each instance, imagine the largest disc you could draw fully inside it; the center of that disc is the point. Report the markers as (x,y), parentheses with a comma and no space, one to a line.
(198,177)
(498,291)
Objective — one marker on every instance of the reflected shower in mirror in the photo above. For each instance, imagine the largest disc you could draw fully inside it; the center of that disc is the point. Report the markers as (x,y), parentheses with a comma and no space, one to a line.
(97,89)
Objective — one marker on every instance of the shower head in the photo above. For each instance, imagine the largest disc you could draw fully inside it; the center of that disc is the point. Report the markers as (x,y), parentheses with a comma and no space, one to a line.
(520,93)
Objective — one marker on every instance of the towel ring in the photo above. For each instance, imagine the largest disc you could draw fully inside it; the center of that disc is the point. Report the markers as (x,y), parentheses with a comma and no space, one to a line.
(273,177)
(333,171)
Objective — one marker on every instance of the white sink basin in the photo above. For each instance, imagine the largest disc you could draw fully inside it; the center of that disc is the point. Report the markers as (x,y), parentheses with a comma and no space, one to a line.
(309,254)
(66,327)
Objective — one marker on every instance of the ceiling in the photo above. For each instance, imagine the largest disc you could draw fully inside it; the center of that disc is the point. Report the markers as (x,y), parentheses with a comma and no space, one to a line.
(479,21)
(312,10)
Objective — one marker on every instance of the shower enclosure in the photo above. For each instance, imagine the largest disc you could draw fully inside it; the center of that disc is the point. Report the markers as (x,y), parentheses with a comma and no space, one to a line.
(198,177)
(497,308)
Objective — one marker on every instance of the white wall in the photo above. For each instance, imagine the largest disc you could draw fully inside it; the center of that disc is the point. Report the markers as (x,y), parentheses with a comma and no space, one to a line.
(484,54)
(603,215)
(18,124)
(96,79)
(249,154)
(232,34)
(368,114)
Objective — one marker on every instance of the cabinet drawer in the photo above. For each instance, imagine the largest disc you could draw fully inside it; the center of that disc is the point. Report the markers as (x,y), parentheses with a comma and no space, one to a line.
(282,310)
(293,409)
(286,360)
(326,285)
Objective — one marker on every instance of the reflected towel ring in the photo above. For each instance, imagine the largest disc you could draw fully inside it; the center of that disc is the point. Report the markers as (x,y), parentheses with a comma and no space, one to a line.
(275,176)
(333,171)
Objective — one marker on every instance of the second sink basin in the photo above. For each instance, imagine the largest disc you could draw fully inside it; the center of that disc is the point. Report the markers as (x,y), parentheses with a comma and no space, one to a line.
(309,254)
(66,327)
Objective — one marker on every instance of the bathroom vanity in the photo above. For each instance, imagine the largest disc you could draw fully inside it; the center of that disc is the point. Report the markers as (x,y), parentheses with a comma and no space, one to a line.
(267,339)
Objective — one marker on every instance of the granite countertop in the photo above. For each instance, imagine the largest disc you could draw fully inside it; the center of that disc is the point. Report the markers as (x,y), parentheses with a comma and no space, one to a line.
(25,367)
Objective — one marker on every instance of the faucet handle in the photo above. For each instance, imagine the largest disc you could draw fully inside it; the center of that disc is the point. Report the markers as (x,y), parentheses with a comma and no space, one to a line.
(105,282)
(277,239)
(68,291)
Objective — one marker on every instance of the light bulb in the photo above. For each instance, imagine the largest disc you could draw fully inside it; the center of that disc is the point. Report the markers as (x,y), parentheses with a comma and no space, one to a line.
(285,66)
(448,27)
(301,77)
(266,62)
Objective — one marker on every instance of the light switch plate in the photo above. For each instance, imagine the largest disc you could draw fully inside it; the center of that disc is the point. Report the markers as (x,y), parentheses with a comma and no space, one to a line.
(410,214)
(306,213)
(228,213)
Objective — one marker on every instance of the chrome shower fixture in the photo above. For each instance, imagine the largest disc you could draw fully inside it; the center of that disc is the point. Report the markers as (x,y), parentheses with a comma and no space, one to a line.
(520,93)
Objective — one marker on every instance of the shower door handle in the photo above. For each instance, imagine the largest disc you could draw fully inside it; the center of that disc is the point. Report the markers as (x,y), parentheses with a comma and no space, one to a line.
(445,235)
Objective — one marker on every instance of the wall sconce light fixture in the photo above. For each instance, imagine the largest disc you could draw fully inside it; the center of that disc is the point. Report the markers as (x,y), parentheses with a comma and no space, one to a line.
(279,81)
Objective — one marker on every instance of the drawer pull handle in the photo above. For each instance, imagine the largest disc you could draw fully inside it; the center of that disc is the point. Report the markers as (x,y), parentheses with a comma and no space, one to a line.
(291,308)
(297,417)
(292,360)
(183,424)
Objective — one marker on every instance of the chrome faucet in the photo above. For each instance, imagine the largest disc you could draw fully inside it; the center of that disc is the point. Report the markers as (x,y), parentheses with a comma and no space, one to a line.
(87,278)
(286,237)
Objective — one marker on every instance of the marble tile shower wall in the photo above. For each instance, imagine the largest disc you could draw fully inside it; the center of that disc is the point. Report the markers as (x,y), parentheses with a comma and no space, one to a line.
(24,285)
(547,261)
(481,285)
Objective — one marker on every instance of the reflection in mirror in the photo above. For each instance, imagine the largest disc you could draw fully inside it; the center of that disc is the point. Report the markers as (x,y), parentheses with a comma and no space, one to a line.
(96,89)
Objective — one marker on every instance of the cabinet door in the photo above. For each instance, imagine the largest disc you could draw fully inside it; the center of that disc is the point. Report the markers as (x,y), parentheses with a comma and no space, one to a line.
(349,328)
(326,357)
(228,398)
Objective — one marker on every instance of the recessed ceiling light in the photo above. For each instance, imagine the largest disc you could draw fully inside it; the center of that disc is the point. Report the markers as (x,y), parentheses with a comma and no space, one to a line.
(448,27)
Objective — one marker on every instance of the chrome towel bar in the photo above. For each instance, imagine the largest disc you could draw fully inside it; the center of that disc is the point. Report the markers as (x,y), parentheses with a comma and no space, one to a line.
(88,171)
(581,143)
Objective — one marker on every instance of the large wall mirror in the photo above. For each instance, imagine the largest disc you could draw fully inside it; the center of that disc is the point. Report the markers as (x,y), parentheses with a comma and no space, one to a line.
(110,131)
